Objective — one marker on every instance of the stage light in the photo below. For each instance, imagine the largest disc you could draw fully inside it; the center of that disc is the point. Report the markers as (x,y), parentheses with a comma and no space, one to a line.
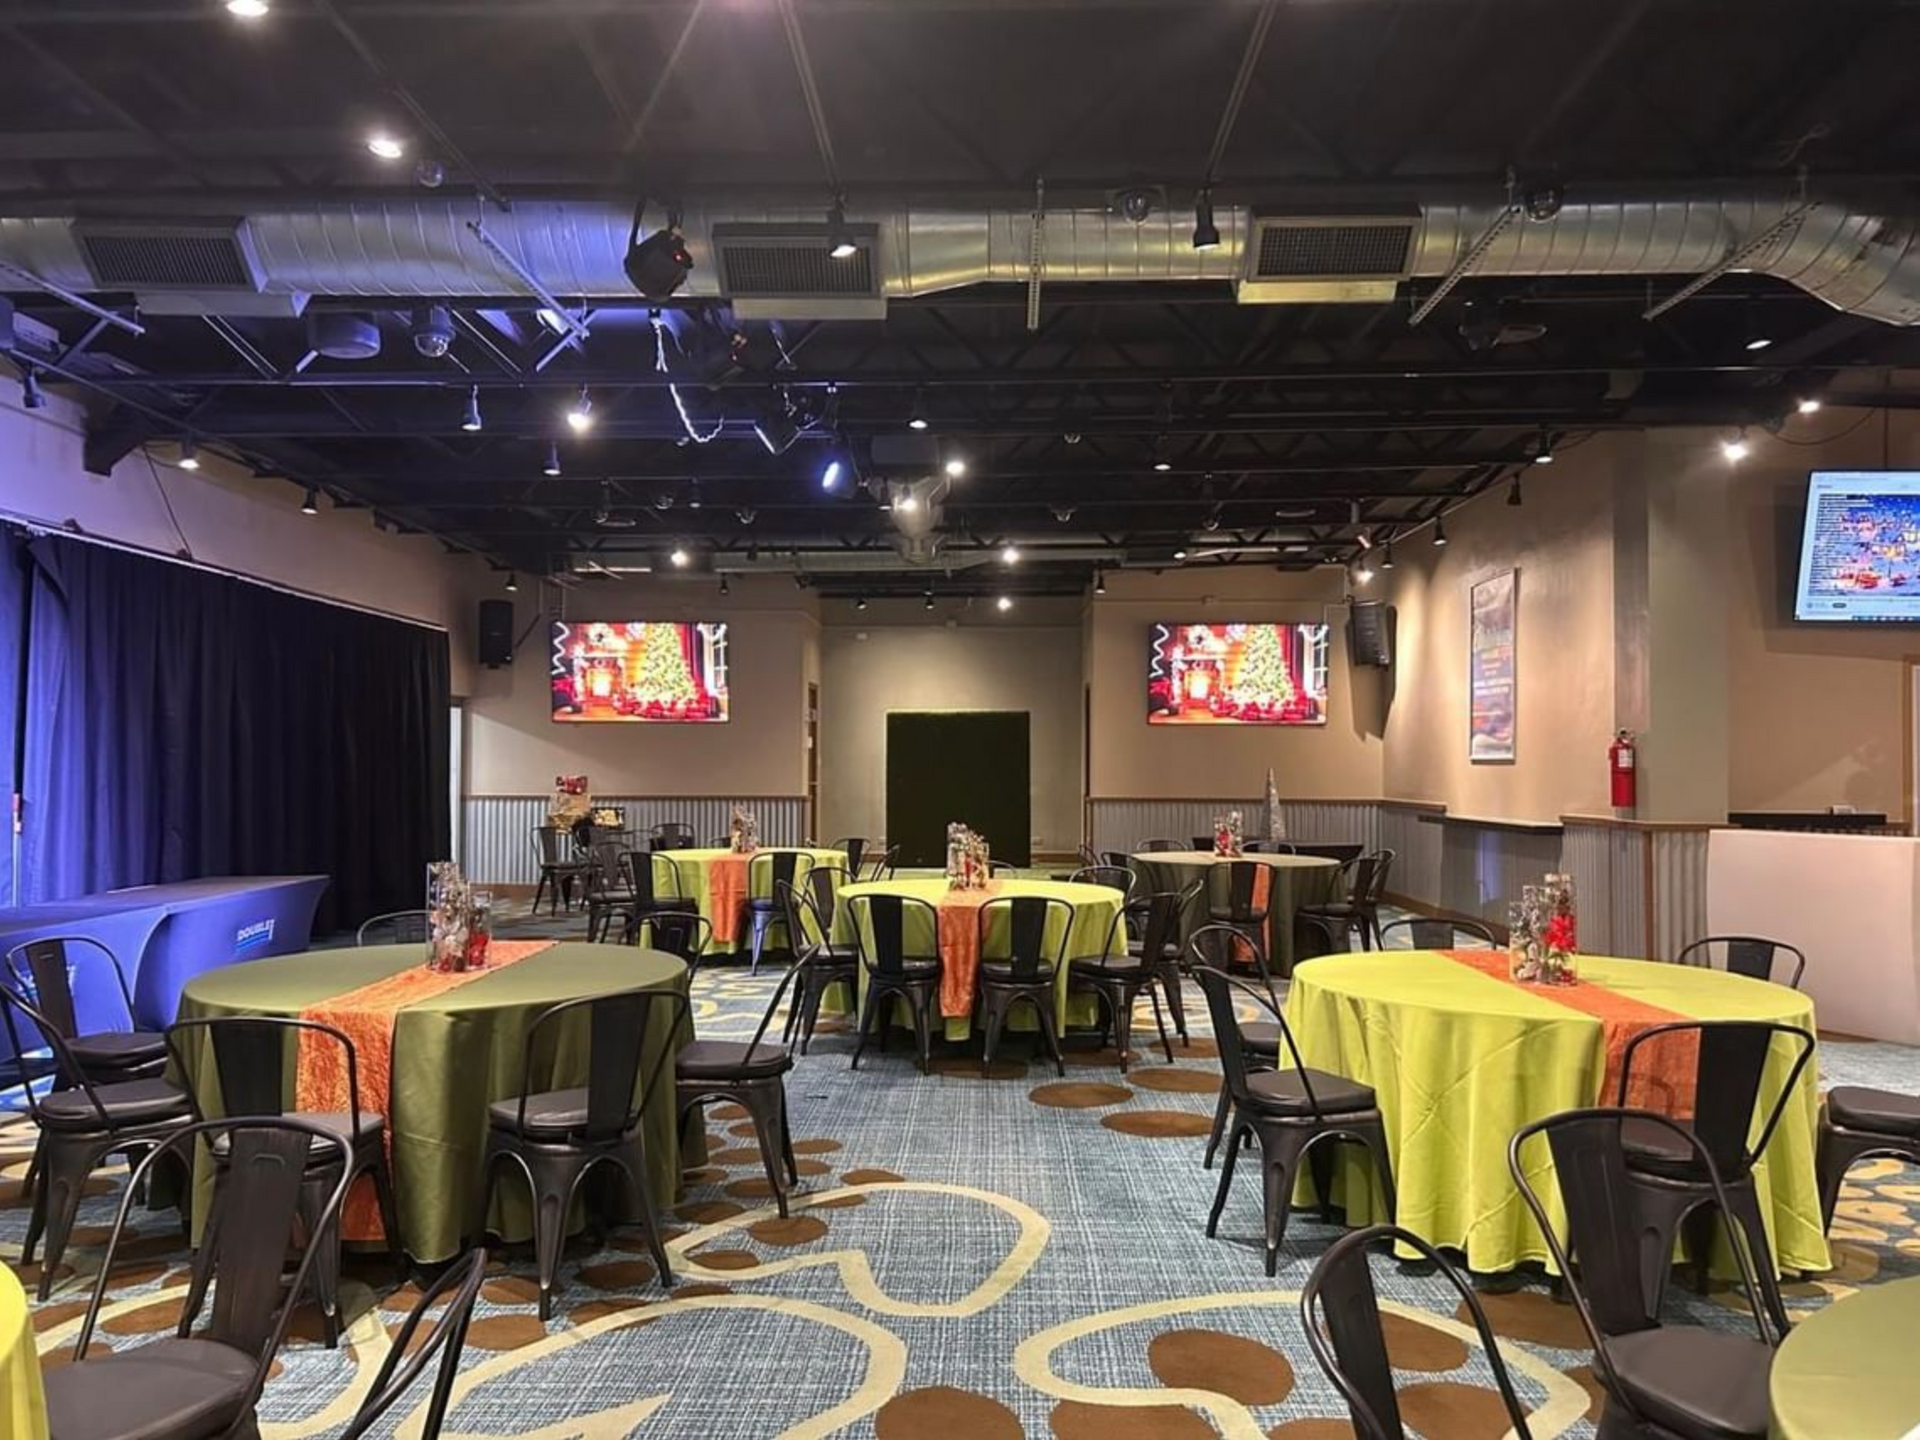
(1808,405)
(1758,343)
(1513,490)
(830,477)
(1543,452)
(1099,582)
(839,239)
(927,604)
(552,467)
(1010,554)
(1162,465)
(247,9)
(693,495)
(1005,602)
(1206,235)
(1439,530)
(680,558)
(1363,573)
(725,589)
(1736,449)
(310,502)
(658,265)
(956,468)
(918,420)
(385,146)
(32,397)
(580,417)
(513,583)
(470,422)
(1181,553)
(1386,556)
(189,455)
(860,603)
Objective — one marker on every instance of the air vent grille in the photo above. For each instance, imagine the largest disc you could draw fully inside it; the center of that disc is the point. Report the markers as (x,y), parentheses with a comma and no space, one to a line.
(792,262)
(1319,250)
(137,256)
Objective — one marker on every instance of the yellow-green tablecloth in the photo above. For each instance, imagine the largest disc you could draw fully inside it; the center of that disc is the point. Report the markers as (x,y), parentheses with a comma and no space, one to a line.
(23,1404)
(1297,880)
(1849,1370)
(1096,910)
(453,1054)
(1460,1060)
(684,873)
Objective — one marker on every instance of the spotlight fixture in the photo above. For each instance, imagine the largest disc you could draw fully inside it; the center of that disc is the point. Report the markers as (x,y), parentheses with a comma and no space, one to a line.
(918,419)
(927,604)
(513,583)
(1005,602)
(830,477)
(310,502)
(189,455)
(1099,582)
(1206,235)
(693,495)
(1543,452)
(1386,556)
(552,467)
(1757,343)
(32,397)
(1807,405)
(1180,553)
(1162,465)
(1009,554)
(658,265)
(470,422)
(725,589)
(956,468)
(860,602)
(839,238)
(1736,448)
(680,558)
(432,331)
(247,9)
(1363,573)
(1439,530)
(907,503)
(580,417)
(1513,490)
(386,146)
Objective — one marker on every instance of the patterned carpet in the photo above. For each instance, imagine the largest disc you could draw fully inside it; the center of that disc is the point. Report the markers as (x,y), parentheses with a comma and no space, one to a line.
(968,1258)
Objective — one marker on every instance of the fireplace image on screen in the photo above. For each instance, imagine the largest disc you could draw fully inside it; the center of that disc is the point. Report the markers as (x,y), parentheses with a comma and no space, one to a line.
(1236,674)
(647,671)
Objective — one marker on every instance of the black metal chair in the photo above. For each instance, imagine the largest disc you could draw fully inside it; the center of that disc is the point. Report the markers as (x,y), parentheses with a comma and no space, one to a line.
(1289,1111)
(1240,894)
(1027,973)
(820,963)
(882,865)
(1359,909)
(1660,1380)
(80,1125)
(1002,867)
(1424,932)
(1166,847)
(558,1137)
(645,895)
(1267,847)
(853,847)
(610,894)
(41,972)
(1753,956)
(453,1294)
(1160,950)
(775,868)
(1229,950)
(1857,1122)
(895,970)
(1118,977)
(559,866)
(671,835)
(681,933)
(1201,842)
(1114,877)
(753,1076)
(1340,854)
(397,927)
(1668,1185)
(1317,935)
(1340,1311)
(244,1070)
(190,1386)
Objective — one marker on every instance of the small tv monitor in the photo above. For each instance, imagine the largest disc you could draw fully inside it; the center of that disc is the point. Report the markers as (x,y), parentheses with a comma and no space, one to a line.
(659,672)
(1860,548)
(1236,674)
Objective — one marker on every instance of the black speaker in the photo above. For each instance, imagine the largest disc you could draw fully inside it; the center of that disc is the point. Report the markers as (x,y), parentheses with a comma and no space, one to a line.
(496,633)
(1370,633)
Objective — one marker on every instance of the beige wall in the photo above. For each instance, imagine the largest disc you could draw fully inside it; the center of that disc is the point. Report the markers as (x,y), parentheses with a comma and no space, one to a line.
(515,748)
(1131,759)
(895,656)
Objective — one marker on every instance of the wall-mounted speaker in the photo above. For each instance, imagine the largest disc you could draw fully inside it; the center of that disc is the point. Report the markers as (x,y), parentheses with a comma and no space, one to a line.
(496,633)
(1370,633)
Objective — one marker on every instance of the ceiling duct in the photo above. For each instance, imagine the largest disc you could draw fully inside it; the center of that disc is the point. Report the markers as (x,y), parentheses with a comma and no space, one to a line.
(1857,261)
(786,272)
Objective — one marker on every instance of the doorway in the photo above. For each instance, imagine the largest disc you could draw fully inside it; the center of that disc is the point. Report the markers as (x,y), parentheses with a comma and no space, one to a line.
(965,765)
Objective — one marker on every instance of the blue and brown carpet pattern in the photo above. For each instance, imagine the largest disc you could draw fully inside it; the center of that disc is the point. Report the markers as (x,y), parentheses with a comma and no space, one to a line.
(969,1258)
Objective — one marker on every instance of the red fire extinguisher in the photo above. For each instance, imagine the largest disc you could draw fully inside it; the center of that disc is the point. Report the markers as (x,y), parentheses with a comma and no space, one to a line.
(1620,770)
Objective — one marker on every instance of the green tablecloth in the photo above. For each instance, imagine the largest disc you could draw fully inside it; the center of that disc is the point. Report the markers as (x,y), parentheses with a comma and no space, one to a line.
(684,873)
(1297,880)
(1460,1060)
(23,1404)
(1096,909)
(454,1053)
(1849,1370)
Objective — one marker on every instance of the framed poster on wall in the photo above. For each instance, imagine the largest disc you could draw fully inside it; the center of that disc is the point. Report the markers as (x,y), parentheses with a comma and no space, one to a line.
(1491,673)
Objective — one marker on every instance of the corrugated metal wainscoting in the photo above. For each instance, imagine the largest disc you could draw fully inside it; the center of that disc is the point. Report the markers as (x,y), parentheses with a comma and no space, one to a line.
(1642,888)
(1121,824)
(497,849)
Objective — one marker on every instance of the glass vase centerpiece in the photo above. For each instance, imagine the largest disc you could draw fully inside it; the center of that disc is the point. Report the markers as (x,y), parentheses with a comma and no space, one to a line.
(1543,934)
(743,832)
(967,862)
(449,917)
(1228,834)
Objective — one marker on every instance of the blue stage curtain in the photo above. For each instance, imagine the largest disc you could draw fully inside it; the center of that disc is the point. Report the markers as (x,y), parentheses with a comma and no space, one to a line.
(13,670)
(181,723)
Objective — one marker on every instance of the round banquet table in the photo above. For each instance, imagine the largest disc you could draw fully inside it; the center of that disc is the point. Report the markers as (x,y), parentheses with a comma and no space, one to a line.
(23,1404)
(434,1050)
(691,874)
(1297,880)
(1461,1057)
(1096,912)
(1848,1369)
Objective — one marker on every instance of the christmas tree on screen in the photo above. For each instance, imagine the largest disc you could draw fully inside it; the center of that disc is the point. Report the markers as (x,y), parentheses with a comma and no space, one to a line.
(1263,680)
(660,675)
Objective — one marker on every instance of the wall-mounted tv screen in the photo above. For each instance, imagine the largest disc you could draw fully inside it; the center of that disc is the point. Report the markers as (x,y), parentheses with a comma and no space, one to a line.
(644,671)
(1236,674)
(1860,548)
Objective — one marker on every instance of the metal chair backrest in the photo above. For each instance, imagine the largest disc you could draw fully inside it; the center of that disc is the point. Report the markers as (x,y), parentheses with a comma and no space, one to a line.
(396,927)
(823,889)
(1753,956)
(1162,925)
(1002,867)
(14,1009)
(805,933)
(46,979)
(670,835)
(853,847)
(1424,932)
(249,1072)
(1357,877)
(1114,877)
(267,1162)
(1226,948)
(1027,919)
(618,1025)
(458,1286)
(1202,842)
(1590,1165)
(1340,854)
(552,845)
(1731,1064)
(882,865)
(642,879)
(1340,1310)
(681,933)
(880,932)
(771,868)
(1241,881)
(1089,856)
(1219,988)
(1375,888)
(1164,847)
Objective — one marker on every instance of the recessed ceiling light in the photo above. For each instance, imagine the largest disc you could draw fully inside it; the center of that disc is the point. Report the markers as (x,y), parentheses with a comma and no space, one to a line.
(1163,466)
(1759,342)
(247,9)
(1181,553)
(1010,554)
(387,147)
(1005,602)
(680,557)
(956,467)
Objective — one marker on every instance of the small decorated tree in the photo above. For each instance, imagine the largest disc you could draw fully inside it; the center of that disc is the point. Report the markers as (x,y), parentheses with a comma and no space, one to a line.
(1263,684)
(660,674)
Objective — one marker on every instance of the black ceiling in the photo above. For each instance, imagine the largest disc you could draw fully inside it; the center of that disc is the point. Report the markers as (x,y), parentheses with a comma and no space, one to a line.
(1281,424)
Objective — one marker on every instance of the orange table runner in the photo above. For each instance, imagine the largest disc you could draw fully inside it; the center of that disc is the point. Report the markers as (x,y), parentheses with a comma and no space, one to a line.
(959,912)
(727,895)
(367,1016)
(1664,1071)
